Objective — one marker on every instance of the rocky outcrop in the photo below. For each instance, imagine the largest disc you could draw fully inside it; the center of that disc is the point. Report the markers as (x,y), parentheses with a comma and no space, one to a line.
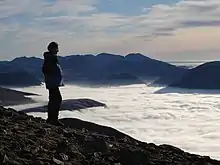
(13,97)
(27,140)
(70,104)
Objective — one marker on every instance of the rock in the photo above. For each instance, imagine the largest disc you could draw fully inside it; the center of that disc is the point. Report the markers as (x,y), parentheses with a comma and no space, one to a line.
(64,157)
(38,162)
(58,161)
(6,160)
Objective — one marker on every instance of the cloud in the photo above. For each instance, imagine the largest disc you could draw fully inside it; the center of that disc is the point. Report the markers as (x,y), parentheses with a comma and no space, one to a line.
(184,14)
(82,26)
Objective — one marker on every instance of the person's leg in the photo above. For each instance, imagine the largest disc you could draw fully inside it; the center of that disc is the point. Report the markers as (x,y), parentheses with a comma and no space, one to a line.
(55,100)
(50,105)
(58,101)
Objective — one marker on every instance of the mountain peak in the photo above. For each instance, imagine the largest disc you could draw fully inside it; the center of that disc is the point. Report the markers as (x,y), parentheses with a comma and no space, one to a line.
(107,54)
(24,58)
(137,56)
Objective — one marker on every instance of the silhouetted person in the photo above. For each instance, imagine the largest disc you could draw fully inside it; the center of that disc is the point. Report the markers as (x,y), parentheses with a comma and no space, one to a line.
(53,80)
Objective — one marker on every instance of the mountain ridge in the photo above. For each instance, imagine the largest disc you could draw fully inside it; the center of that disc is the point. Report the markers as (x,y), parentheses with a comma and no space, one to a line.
(96,69)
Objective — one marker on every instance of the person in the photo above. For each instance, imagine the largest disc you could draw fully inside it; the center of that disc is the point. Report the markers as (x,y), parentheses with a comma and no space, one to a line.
(53,80)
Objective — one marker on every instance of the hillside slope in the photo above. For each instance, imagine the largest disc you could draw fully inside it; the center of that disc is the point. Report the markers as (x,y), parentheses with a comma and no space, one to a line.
(27,140)
(205,76)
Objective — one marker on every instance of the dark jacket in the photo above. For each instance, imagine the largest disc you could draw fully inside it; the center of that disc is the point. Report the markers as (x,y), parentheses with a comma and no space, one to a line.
(52,71)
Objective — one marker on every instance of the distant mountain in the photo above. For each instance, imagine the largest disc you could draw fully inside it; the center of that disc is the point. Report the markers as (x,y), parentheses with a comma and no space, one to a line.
(93,69)
(167,80)
(102,68)
(18,78)
(205,76)
(119,79)
(21,71)
(32,65)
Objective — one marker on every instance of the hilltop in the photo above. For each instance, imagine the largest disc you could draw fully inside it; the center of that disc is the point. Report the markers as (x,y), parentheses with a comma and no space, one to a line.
(27,140)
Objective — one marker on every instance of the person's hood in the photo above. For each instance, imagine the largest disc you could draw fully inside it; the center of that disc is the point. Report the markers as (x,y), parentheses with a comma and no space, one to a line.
(48,55)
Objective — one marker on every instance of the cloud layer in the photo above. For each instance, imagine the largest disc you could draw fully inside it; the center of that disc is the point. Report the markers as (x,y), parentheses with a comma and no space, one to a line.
(186,29)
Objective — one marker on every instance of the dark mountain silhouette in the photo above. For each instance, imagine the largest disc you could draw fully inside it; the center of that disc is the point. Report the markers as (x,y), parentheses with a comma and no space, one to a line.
(18,78)
(120,79)
(165,80)
(21,71)
(13,97)
(101,69)
(32,65)
(205,76)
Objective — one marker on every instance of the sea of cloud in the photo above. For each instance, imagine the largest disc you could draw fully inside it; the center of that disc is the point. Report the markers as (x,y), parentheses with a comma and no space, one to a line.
(187,119)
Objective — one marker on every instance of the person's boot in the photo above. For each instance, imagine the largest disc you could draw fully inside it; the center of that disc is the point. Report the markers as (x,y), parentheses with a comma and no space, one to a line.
(53,110)
(53,119)
(58,123)
(56,114)
(55,122)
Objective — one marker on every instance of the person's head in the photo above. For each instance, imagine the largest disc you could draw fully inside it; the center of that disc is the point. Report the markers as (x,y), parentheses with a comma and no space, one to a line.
(53,47)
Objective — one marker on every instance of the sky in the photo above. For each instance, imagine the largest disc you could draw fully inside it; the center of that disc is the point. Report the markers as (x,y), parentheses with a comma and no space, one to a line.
(161,29)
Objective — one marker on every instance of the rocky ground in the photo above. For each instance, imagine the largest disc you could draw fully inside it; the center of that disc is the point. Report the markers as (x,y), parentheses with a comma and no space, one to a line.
(26,140)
